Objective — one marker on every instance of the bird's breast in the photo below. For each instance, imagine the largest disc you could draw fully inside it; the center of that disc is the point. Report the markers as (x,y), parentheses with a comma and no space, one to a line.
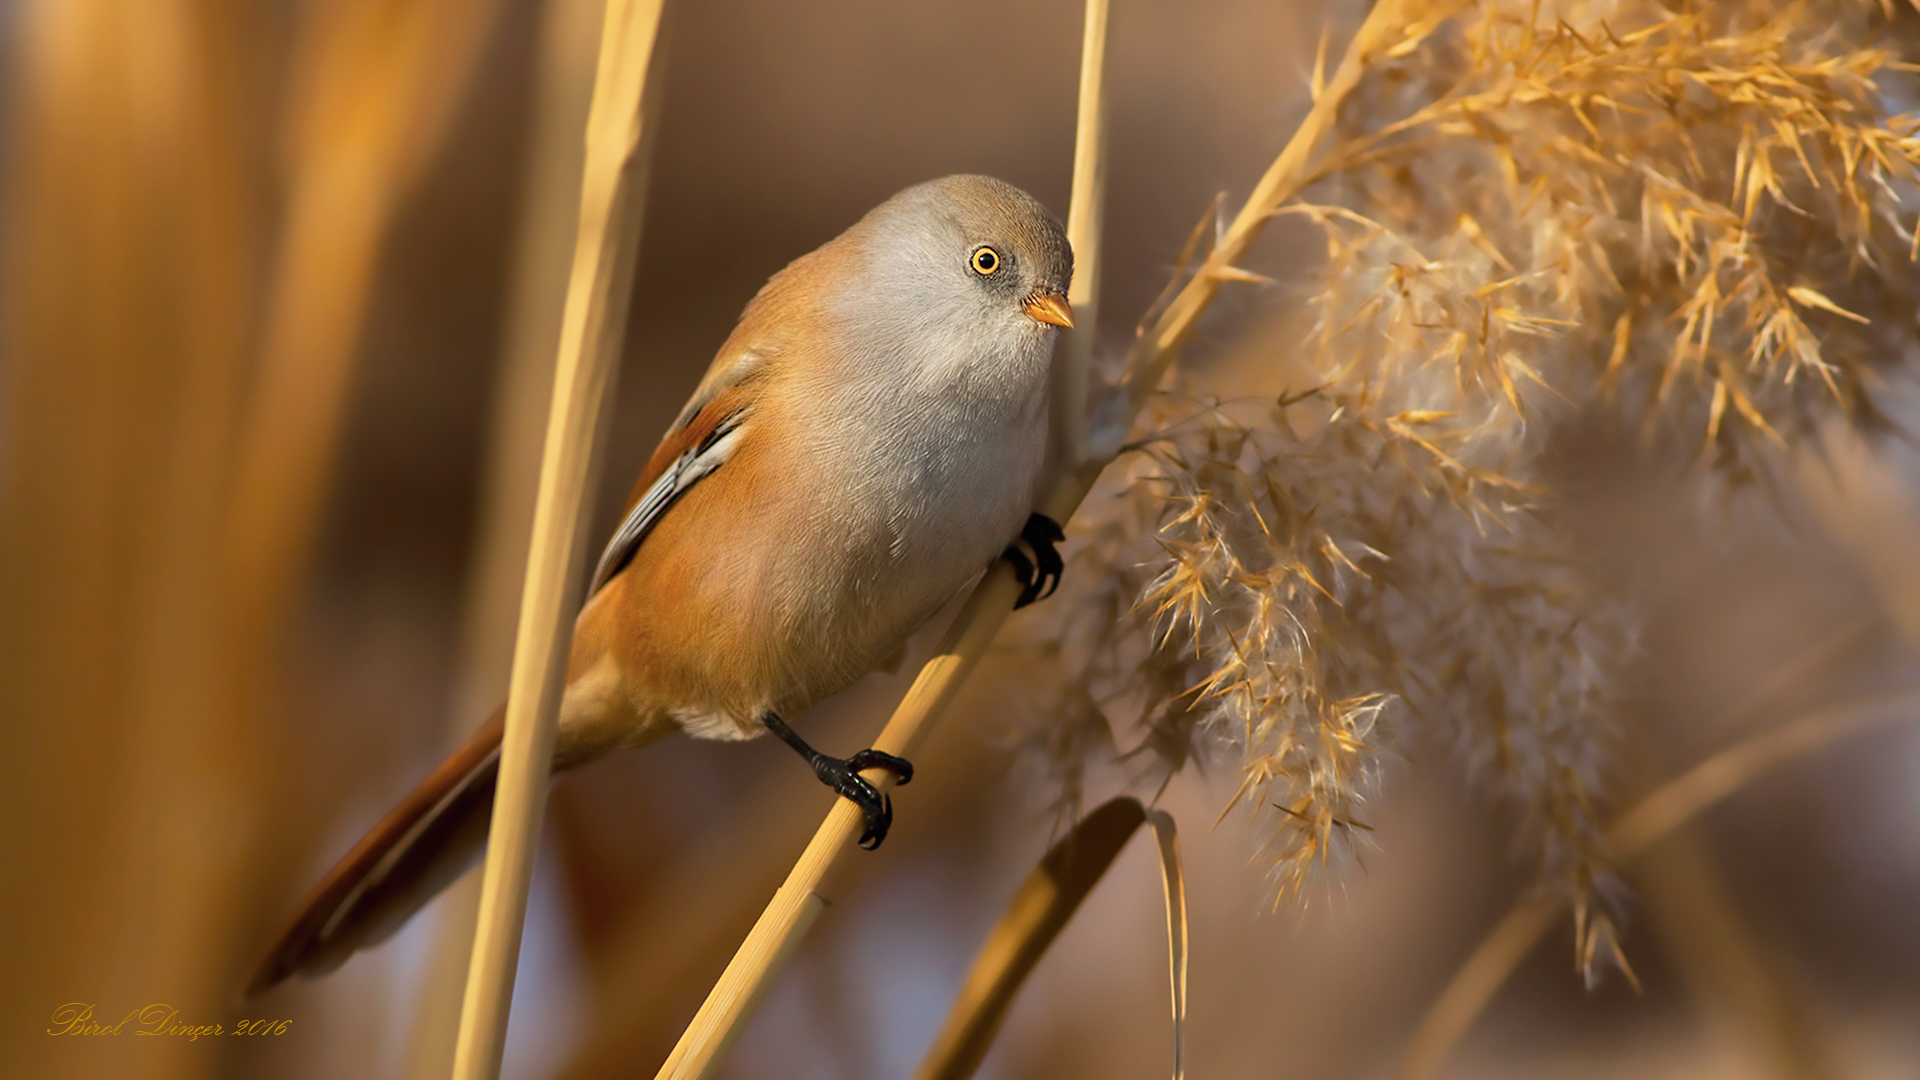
(941,477)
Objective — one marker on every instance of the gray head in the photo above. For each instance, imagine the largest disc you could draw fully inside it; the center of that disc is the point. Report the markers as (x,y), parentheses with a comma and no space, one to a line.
(968,257)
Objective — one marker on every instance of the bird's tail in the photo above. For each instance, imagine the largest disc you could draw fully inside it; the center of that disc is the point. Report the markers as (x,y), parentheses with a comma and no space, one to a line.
(418,849)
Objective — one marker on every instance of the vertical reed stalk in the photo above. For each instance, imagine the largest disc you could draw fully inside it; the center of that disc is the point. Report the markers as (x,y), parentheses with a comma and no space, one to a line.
(569,41)
(375,89)
(1085,215)
(620,125)
(133,202)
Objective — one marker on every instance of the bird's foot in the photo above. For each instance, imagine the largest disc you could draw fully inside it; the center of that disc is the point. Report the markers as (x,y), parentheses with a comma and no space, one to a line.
(843,776)
(1039,575)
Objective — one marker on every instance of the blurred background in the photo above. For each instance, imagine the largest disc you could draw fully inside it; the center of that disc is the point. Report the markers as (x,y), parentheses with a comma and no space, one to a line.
(280,281)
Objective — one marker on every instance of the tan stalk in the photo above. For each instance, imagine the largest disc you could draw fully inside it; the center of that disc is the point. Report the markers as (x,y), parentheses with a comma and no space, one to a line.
(1085,214)
(1043,905)
(1153,353)
(1174,885)
(569,41)
(685,927)
(373,93)
(1039,910)
(799,900)
(1747,990)
(1672,805)
(786,919)
(1453,1012)
(128,237)
(612,195)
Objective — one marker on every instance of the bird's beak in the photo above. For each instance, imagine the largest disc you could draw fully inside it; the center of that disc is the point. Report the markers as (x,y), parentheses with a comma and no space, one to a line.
(1050,308)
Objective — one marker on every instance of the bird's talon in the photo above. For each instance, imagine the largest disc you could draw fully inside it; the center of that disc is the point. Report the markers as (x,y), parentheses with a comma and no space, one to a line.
(843,776)
(877,824)
(1024,572)
(900,767)
(1040,574)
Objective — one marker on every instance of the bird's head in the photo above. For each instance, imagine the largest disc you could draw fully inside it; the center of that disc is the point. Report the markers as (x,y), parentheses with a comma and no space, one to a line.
(969,261)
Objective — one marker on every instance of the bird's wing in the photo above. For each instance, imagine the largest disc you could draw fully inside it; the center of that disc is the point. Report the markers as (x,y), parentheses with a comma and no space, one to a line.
(708,430)
(687,455)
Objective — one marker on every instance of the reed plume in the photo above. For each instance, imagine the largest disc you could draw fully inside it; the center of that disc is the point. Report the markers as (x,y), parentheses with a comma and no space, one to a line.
(1698,223)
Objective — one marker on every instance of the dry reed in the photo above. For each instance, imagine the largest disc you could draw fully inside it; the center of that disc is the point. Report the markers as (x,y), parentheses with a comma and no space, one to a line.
(621,123)
(569,41)
(1699,222)
(1042,906)
(669,948)
(374,88)
(1746,988)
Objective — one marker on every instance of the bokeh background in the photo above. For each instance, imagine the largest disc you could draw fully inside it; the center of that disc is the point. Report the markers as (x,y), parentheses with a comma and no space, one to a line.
(281,281)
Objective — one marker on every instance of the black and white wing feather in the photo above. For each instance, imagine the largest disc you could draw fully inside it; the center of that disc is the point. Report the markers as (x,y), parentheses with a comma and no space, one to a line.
(686,470)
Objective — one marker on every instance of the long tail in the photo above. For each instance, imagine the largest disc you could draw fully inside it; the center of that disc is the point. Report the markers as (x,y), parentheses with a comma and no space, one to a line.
(418,849)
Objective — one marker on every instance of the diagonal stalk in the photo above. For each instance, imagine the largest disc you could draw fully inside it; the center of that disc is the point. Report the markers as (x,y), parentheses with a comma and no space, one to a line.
(1154,351)
(1672,805)
(1043,905)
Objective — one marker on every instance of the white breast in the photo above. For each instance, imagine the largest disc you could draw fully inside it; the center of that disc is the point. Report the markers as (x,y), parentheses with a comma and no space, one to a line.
(940,471)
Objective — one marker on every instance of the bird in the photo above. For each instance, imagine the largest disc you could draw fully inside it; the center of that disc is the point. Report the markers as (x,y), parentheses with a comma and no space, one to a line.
(866,442)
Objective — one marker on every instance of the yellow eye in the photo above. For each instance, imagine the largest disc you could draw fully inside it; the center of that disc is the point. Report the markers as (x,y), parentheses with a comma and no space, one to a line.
(985,261)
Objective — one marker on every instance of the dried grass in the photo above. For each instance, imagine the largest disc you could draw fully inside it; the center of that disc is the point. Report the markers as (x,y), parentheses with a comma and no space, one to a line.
(1699,222)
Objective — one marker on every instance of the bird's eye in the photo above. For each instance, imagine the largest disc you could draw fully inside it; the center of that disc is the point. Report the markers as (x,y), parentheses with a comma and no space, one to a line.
(985,261)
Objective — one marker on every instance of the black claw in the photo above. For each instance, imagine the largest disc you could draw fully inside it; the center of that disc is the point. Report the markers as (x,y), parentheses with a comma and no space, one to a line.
(1040,574)
(1042,533)
(846,781)
(843,776)
(1023,570)
(900,767)
(878,825)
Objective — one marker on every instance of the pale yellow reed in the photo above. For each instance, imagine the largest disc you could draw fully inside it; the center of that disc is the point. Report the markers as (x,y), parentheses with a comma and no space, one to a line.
(593,325)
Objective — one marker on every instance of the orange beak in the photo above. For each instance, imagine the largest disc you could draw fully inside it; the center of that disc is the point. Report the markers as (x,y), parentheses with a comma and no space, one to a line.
(1050,308)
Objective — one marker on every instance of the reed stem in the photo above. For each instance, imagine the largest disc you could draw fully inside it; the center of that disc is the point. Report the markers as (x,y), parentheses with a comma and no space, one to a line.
(569,43)
(593,326)
(1086,214)
(1043,905)
(1154,350)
